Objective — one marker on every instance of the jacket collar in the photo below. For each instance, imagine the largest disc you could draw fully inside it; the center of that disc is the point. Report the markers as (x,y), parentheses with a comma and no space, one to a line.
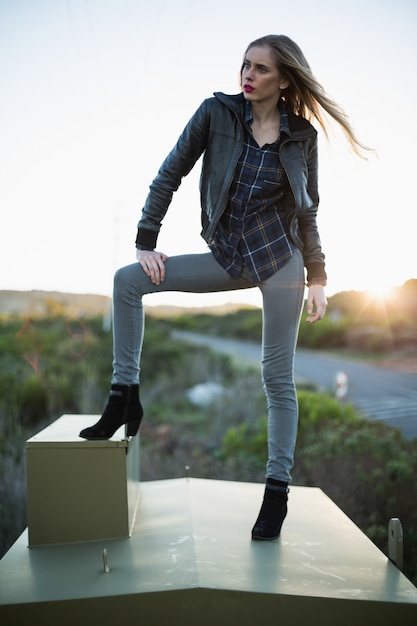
(284,126)
(299,127)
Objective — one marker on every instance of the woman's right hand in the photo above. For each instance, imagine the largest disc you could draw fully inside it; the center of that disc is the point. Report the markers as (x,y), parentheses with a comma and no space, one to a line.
(153,263)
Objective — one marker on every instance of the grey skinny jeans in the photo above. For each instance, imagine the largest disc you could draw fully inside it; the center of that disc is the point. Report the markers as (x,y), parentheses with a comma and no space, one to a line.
(282,295)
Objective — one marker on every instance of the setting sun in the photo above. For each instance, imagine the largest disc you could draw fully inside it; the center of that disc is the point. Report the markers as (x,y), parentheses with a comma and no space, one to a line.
(381,291)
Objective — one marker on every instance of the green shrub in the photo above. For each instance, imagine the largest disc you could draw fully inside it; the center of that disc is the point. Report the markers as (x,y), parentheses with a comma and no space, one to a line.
(34,401)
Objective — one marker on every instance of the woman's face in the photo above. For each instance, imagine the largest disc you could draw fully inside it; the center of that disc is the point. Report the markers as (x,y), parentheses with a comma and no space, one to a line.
(261,79)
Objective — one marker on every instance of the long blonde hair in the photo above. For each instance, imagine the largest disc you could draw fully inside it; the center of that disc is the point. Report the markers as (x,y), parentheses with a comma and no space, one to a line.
(305,96)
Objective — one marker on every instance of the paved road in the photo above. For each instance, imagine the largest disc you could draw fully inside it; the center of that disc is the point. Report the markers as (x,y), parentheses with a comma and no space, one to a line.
(379,393)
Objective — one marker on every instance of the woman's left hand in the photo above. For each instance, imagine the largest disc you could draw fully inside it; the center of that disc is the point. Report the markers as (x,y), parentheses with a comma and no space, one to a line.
(316,303)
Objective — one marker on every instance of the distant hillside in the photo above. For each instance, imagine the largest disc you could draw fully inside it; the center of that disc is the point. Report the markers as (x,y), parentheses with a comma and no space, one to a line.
(39,303)
(403,301)
(162,311)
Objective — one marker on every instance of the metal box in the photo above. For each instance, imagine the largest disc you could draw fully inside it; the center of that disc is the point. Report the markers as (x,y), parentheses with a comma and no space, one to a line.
(80,490)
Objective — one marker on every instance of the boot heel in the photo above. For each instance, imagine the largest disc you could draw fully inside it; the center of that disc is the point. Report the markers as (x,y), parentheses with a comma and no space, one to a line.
(131,428)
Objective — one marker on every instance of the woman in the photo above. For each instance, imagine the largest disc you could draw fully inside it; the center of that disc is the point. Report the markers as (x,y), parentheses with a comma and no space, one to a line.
(259,202)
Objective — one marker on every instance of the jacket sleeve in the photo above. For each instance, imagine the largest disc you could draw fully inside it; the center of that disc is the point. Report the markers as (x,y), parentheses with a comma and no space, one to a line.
(180,161)
(314,259)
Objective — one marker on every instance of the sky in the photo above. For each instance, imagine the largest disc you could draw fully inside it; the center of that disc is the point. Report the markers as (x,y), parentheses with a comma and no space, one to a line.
(94,94)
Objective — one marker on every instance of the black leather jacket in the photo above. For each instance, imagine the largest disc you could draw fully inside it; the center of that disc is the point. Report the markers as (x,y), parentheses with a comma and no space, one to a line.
(216,130)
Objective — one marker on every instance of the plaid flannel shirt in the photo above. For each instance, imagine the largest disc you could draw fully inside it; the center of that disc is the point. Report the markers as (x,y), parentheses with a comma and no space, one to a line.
(252,231)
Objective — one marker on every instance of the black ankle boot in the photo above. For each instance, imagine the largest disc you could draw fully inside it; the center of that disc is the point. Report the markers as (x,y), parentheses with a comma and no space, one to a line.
(123,407)
(273,511)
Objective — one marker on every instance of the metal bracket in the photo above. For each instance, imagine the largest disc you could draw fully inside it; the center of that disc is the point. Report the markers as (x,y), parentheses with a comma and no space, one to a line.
(395,542)
(105,562)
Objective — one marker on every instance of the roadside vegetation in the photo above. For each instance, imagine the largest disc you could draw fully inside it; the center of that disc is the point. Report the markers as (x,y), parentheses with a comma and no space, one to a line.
(355,322)
(59,363)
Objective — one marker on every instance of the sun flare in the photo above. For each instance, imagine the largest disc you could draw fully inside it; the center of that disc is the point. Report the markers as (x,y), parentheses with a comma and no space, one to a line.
(381,291)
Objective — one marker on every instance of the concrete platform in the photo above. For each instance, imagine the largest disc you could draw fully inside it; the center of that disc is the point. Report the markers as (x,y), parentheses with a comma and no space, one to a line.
(190,560)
